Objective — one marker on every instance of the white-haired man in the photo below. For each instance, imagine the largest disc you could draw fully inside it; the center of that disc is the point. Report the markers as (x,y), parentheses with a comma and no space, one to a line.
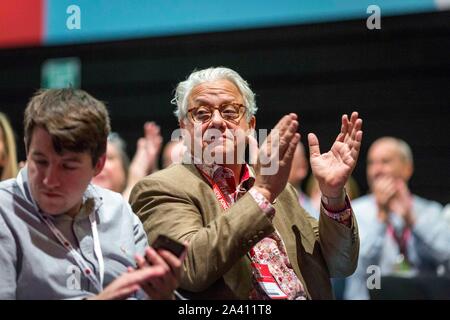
(248,236)
(400,231)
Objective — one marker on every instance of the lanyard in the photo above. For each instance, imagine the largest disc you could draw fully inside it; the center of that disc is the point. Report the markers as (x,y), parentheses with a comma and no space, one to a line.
(402,240)
(263,276)
(66,244)
(223,202)
(219,194)
(98,283)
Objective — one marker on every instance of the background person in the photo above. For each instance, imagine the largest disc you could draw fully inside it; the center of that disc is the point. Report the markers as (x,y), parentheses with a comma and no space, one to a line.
(400,232)
(8,155)
(119,174)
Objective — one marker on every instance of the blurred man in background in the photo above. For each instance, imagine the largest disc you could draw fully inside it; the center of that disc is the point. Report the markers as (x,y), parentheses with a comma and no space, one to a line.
(119,174)
(400,232)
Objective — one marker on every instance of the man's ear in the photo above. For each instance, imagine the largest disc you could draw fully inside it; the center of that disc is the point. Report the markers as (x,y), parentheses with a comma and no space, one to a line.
(100,164)
(252,122)
(408,170)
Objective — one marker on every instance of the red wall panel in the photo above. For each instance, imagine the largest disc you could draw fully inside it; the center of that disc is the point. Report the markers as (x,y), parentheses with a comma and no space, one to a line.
(21,22)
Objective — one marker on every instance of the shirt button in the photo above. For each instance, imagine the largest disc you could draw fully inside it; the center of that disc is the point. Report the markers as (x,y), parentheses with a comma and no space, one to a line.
(260,233)
(255,237)
(250,242)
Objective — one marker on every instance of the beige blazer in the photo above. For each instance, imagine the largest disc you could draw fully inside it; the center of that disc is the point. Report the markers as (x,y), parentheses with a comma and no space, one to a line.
(178,202)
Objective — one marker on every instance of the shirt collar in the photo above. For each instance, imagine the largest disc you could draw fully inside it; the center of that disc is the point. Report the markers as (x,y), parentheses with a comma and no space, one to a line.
(215,172)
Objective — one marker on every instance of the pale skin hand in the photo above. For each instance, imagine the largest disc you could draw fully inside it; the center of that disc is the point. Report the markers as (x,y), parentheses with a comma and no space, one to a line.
(148,147)
(270,186)
(158,280)
(128,284)
(146,157)
(393,195)
(401,203)
(333,168)
(162,288)
(383,189)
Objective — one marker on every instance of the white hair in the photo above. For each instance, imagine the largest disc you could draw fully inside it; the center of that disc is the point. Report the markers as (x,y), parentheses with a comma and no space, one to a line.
(184,89)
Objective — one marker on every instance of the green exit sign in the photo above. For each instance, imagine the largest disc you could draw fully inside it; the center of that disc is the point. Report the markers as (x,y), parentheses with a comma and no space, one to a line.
(61,73)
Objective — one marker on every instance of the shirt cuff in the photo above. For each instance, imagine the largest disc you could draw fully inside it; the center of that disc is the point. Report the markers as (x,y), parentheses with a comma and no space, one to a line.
(343,216)
(263,203)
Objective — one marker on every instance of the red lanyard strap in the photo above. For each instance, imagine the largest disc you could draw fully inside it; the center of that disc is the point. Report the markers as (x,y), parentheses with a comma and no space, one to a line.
(401,240)
(82,264)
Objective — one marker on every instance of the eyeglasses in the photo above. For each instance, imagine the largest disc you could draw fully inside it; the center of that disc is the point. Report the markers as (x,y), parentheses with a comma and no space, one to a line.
(231,112)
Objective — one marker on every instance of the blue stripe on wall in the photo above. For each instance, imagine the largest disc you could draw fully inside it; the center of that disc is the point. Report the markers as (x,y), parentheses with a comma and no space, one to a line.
(122,19)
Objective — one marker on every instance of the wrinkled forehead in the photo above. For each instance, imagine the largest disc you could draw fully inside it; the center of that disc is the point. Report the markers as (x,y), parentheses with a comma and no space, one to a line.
(215,90)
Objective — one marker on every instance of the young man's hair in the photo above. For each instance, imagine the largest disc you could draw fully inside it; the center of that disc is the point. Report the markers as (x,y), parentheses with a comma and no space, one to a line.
(75,120)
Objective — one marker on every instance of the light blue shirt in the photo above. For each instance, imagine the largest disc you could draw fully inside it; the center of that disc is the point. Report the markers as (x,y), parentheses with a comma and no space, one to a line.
(307,204)
(427,248)
(446,213)
(35,265)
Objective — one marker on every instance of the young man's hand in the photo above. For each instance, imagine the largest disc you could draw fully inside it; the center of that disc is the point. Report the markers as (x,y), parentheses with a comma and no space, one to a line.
(162,287)
(158,275)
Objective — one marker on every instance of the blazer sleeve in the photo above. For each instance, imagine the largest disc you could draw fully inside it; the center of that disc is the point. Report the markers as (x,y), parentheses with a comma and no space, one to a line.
(339,244)
(213,248)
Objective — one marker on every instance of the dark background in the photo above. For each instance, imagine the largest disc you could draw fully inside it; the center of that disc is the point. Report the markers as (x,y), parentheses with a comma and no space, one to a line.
(398,78)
